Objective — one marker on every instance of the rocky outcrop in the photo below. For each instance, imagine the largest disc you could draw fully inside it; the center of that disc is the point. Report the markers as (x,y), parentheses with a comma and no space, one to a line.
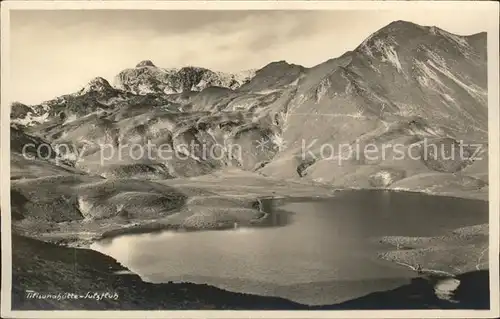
(146,78)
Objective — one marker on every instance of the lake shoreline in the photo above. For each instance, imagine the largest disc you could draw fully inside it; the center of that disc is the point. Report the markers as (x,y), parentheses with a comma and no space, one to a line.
(406,257)
(84,234)
(35,263)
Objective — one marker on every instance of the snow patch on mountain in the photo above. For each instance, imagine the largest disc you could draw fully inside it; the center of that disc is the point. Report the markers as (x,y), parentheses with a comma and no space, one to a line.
(146,78)
(97,84)
(384,49)
(245,75)
(448,97)
(322,89)
(144,89)
(460,41)
(391,56)
(268,91)
(32,119)
(70,119)
(473,90)
(433,56)
(426,77)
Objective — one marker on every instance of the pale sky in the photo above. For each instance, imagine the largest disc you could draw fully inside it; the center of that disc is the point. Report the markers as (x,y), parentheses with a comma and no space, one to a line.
(57,52)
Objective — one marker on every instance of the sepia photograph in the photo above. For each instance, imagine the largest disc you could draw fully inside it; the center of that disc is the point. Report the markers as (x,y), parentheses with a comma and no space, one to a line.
(236,159)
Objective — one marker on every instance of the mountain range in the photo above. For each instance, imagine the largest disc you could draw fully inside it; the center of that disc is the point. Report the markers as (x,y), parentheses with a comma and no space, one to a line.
(403,84)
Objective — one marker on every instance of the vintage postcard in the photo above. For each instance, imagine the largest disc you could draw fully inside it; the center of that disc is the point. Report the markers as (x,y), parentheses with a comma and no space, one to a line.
(238,159)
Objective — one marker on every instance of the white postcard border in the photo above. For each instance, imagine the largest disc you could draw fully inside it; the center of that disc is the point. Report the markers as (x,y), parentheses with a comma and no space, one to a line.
(490,10)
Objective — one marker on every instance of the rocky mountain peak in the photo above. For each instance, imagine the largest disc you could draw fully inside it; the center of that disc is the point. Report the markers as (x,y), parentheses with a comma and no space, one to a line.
(279,67)
(397,32)
(97,84)
(279,64)
(400,24)
(145,63)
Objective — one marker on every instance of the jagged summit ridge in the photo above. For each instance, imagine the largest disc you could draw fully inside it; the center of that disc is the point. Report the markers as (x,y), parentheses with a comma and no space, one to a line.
(144,63)
(97,84)
(147,78)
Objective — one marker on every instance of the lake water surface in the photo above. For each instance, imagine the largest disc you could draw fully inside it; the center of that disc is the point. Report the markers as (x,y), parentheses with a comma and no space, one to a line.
(322,251)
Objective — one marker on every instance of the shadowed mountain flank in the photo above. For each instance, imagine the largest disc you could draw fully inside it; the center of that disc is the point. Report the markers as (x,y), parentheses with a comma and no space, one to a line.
(406,84)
